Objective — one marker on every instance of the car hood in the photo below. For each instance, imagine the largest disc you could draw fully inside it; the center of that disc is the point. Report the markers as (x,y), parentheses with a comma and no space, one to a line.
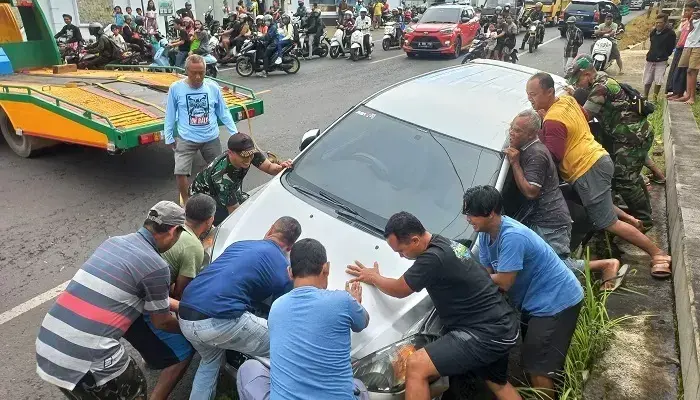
(419,27)
(390,318)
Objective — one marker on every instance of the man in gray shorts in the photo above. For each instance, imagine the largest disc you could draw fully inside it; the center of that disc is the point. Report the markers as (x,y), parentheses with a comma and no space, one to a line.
(195,105)
(546,211)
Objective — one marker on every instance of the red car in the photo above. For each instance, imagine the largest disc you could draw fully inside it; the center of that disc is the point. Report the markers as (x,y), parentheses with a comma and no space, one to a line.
(443,29)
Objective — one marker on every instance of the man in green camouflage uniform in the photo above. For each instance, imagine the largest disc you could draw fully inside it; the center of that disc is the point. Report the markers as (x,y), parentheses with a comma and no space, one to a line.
(222,179)
(629,132)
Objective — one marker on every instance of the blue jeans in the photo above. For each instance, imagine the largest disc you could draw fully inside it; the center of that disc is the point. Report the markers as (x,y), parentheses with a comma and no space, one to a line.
(180,58)
(280,45)
(212,337)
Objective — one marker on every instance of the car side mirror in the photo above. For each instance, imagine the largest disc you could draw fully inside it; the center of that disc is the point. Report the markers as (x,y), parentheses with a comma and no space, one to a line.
(414,19)
(308,137)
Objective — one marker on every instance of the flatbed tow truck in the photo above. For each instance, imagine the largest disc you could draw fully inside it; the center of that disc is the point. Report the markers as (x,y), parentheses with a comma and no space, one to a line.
(116,109)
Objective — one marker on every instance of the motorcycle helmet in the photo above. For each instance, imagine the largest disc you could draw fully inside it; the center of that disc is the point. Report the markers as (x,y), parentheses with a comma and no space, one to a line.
(285,19)
(301,3)
(347,14)
(95,28)
(267,19)
(363,10)
(571,20)
(499,10)
(259,20)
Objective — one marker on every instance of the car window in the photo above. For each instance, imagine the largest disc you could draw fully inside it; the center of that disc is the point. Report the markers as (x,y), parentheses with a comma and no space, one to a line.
(467,13)
(440,15)
(585,7)
(379,165)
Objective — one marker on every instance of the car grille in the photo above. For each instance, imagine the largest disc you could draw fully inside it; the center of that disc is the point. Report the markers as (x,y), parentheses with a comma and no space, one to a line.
(425,42)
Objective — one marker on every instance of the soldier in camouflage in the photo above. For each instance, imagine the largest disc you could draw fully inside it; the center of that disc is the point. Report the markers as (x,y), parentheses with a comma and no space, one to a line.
(629,132)
(222,179)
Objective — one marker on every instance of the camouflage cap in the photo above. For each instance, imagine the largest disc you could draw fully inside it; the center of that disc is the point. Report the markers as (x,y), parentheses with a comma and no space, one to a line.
(580,63)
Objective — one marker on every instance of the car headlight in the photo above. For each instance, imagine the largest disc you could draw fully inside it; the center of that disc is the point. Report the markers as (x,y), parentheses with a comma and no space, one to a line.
(385,370)
(447,30)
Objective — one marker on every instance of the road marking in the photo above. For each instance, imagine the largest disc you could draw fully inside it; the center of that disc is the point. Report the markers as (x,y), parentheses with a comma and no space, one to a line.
(388,58)
(226,69)
(263,92)
(32,303)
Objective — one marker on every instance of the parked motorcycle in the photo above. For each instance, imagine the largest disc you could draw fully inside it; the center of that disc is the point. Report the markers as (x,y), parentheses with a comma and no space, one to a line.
(477,49)
(536,30)
(391,39)
(602,49)
(357,45)
(339,43)
(248,60)
(321,50)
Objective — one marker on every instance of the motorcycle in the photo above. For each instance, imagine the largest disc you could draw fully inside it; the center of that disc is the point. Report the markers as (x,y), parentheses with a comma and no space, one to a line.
(210,23)
(321,50)
(536,30)
(248,61)
(339,43)
(602,49)
(69,51)
(477,49)
(357,45)
(391,39)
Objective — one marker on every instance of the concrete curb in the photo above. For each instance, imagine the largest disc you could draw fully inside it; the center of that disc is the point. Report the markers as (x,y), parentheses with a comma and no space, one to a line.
(681,147)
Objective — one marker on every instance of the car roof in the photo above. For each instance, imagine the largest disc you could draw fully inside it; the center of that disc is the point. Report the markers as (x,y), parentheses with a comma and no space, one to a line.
(460,6)
(474,102)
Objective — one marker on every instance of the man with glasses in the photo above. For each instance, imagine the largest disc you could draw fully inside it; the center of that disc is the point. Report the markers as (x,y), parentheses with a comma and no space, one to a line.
(222,179)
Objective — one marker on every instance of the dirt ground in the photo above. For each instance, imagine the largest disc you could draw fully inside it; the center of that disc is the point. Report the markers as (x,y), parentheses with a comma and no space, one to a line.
(638,29)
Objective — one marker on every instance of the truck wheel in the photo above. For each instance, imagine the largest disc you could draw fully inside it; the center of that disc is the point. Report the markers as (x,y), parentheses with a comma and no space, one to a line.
(23,146)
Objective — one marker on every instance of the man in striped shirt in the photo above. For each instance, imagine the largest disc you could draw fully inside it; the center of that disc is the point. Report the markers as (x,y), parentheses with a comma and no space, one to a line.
(78,346)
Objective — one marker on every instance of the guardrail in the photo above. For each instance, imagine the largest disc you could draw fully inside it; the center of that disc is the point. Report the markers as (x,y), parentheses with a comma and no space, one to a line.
(57,101)
(165,69)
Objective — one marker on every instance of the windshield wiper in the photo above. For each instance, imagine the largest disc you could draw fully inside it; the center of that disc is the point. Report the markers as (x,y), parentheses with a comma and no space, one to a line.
(342,210)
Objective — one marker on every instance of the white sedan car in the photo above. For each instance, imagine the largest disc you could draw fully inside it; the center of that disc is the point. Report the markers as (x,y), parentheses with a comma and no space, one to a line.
(415,146)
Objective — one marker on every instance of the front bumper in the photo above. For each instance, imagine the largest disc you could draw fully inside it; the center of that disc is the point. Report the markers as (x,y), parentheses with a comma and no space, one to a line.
(446,45)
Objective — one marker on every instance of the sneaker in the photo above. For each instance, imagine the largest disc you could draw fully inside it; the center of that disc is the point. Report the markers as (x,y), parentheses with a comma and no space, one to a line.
(369,57)
(262,74)
(278,61)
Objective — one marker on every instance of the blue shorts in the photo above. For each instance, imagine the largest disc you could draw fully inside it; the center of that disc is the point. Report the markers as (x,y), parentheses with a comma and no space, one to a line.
(160,349)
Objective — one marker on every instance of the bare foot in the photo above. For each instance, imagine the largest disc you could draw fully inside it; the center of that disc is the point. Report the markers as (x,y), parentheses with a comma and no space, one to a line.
(684,98)
(689,101)
(672,96)
(609,274)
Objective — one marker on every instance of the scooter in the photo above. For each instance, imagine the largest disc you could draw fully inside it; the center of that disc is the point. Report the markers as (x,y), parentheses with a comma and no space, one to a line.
(210,23)
(212,70)
(248,61)
(391,39)
(477,49)
(536,35)
(338,43)
(602,49)
(321,50)
(357,45)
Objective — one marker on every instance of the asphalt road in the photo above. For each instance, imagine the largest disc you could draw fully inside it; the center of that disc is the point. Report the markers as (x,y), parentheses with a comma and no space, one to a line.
(59,207)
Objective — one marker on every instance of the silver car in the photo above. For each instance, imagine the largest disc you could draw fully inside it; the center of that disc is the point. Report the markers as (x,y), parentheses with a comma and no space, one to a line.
(415,146)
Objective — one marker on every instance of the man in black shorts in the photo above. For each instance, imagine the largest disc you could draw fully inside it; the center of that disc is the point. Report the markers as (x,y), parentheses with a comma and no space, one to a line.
(480,327)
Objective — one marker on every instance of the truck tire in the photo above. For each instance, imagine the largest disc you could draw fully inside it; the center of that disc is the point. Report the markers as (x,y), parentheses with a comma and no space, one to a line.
(23,146)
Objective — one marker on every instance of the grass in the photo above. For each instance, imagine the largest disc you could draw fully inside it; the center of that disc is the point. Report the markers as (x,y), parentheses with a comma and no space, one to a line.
(638,29)
(656,120)
(593,333)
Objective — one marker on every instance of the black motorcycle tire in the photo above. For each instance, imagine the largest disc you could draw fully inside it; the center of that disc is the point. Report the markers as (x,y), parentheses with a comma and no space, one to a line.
(531,44)
(211,71)
(386,44)
(355,54)
(244,67)
(323,50)
(335,52)
(296,65)
(467,58)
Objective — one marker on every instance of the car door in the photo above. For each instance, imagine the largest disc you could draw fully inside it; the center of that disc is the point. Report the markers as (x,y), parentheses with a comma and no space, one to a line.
(468,24)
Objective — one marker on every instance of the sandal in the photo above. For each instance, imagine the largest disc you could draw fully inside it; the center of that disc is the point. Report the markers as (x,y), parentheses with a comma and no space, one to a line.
(661,267)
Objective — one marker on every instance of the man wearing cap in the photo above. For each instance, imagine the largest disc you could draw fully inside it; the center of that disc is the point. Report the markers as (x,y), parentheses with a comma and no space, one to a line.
(574,40)
(69,31)
(217,308)
(630,132)
(223,178)
(587,166)
(195,105)
(121,291)
(608,29)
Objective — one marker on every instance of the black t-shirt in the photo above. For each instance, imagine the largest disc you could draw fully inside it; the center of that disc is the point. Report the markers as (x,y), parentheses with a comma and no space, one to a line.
(549,209)
(462,291)
(185,37)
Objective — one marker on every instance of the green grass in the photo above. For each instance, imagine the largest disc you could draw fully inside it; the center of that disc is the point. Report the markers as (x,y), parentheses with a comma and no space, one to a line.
(696,110)
(593,333)
(656,120)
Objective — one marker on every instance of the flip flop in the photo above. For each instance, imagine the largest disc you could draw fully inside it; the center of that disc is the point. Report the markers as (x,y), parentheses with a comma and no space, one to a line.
(621,274)
(658,181)
(661,267)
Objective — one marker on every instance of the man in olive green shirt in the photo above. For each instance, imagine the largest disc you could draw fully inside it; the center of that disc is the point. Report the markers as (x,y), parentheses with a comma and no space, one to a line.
(187,255)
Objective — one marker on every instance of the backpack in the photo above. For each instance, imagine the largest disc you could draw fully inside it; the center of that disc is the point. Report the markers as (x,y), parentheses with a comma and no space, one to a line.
(636,102)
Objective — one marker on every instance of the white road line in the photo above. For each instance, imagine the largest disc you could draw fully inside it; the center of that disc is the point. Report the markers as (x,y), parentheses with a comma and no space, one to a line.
(226,69)
(32,303)
(388,58)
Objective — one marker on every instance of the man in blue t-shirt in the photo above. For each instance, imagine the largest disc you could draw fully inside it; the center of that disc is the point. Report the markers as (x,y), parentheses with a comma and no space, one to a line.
(216,310)
(537,281)
(310,332)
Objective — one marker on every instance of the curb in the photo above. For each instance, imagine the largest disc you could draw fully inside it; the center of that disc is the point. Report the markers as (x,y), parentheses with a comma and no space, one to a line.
(681,147)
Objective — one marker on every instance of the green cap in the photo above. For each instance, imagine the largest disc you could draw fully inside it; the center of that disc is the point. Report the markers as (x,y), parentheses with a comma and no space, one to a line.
(580,63)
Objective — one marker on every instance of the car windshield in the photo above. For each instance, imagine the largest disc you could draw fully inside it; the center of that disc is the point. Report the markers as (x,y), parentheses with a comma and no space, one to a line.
(585,7)
(544,2)
(496,3)
(376,165)
(441,15)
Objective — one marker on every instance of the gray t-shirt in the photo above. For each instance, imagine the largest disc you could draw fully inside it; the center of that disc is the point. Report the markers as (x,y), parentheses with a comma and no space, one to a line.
(549,209)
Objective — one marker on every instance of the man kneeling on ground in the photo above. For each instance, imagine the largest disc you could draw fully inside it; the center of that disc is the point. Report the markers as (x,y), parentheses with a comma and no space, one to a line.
(216,310)
(537,282)
(480,327)
(309,331)
(546,212)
